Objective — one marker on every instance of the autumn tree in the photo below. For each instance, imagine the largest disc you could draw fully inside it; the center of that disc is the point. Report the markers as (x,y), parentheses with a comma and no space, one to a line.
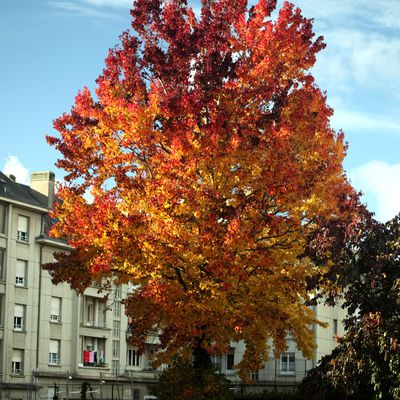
(366,364)
(207,150)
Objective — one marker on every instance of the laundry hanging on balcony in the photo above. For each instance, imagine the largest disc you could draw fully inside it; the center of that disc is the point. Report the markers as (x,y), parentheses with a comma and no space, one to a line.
(93,358)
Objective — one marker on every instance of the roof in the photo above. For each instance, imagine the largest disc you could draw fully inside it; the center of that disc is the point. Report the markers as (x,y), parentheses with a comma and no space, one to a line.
(22,193)
(12,190)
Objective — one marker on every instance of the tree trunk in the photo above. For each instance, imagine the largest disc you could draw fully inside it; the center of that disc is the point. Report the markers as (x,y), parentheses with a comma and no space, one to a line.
(201,360)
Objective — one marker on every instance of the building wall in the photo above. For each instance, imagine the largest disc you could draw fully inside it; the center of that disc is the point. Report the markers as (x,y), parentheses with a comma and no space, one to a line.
(38,376)
(287,371)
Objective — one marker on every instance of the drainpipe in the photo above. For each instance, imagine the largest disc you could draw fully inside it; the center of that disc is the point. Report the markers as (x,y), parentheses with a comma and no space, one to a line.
(39,305)
(6,309)
(39,299)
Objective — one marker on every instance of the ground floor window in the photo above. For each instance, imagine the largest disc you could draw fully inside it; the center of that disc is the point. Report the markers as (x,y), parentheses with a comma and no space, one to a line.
(288,363)
(133,358)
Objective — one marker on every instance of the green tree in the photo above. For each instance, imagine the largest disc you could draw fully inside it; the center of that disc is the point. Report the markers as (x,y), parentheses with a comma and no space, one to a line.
(366,363)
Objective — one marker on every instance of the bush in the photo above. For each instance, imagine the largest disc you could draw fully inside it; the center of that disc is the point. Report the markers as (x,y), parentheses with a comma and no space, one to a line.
(182,381)
(270,396)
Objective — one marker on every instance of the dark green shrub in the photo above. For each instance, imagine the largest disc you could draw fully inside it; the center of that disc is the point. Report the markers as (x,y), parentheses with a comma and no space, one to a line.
(182,381)
(270,396)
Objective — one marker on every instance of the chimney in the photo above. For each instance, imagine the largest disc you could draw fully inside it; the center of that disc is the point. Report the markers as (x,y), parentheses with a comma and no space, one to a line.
(12,177)
(44,182)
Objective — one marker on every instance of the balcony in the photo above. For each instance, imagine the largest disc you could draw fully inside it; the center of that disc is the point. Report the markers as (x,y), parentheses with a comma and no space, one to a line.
(94,329)
(93,359)
(152,338)
(95,324)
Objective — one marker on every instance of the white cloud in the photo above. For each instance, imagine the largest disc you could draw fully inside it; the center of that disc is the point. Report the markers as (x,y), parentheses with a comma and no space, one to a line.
(363,45)
(14,167)
(99,8)
(389,16)
(369,59)
(350,120)
(380,182)
(111,3)
(78,9)
(381,14)
(375,60)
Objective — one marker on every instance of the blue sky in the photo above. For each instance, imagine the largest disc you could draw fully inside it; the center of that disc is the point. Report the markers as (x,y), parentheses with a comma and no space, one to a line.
(51,48)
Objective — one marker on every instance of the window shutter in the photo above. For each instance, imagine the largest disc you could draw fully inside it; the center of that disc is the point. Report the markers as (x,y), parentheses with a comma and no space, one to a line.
(22,223)
(20,269)
(17,355)
(19,311)
(53,346)
(55,306)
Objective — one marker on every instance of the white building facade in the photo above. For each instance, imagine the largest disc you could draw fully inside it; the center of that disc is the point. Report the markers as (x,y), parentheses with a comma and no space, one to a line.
(287,371)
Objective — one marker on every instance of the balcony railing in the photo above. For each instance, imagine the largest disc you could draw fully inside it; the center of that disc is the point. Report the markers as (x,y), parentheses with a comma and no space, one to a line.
(94,324)
(22,236)
(94,365)
(55,318)
(93,358)
(131,332)
(20,281)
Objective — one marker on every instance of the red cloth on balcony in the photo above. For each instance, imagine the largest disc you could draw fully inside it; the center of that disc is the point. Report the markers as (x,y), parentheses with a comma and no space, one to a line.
(86,356)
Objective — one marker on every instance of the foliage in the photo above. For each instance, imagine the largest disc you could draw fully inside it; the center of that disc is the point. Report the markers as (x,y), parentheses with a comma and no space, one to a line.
(182,381)
(212,168)
(270,396)
(366,364)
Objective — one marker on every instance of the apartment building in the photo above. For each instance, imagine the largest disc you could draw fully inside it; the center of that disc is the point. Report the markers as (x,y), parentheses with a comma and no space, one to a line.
(287,371)
(55,344)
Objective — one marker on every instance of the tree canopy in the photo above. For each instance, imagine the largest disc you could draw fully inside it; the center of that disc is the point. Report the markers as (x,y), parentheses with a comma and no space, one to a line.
(366,364)
(207,150)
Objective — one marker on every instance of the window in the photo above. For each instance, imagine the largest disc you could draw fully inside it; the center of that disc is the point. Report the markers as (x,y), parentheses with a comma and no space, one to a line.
(288,363)
(217,361)
(130,288)
(136,394)
(55,312)
(117,309)
(20,272)
(115,367)
(150,358)
(116,328)
(89,310)
(230,358)
(19,316)
(54,352)
(335,327)
(133,358)
(94,312)
(23,228)
(2,218)
(93,353)
(2,261)
(254,376)
(118,292)
(115,348)
(52,392)
(16,362)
